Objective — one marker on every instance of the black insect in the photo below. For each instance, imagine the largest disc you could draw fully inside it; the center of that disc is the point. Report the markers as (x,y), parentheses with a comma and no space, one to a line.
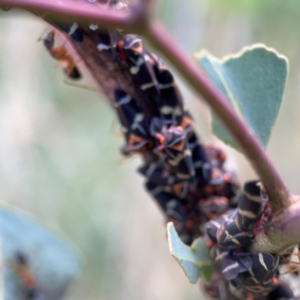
(130,49)
(237,230)
(173,146)
(250,206)
(134,124)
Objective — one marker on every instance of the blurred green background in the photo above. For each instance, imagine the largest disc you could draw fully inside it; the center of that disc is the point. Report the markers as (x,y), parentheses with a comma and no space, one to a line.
(59,160)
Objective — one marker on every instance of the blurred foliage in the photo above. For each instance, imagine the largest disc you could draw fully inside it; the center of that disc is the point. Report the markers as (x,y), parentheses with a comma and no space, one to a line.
(59,160)
(44,255)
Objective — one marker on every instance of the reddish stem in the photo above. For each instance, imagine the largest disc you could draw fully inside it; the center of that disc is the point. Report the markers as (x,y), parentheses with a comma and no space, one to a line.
(133,19)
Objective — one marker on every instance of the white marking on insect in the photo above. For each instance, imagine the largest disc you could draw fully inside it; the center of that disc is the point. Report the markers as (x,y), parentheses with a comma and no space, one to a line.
(221,255)
(182,176)
(132,42)
(172,204)
(253,276)
(125,100)
(173,163)
(102,46)
(229,237)
(93,27)
(171,180)
(146,86)
(215,223)
(136,123)
(252,197)
(198,164)
(166,109)
(261,260)
(135,69)
(247,213)
(73,28)
(151,169)
(147,57)
(230,267)
(156,190)
(163,86)
(187,153)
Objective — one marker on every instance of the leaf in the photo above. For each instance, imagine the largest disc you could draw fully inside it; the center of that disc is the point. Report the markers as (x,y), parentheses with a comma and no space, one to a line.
(52,260)
(253,81)
(195,260)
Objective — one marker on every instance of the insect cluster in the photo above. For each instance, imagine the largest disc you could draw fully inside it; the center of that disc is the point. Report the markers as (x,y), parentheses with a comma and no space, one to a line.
(187,179)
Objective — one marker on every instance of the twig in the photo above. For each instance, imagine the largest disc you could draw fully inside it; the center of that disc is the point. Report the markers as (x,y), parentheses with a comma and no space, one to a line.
(135,18)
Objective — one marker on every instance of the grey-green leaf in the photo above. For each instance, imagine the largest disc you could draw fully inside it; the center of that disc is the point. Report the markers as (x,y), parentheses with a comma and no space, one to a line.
(253,81)
(52,261)
(195,260)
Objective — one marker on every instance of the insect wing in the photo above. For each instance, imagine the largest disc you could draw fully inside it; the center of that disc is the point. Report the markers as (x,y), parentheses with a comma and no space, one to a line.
(170,101)
(227,264)
(133,121)
(131,50)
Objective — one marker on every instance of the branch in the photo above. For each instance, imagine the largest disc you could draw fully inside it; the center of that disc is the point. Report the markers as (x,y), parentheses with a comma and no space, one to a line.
(137,17)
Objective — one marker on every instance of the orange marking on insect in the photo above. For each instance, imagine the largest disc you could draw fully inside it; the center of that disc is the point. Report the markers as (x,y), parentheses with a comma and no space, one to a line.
(180,146)
(189,224)
(178,188)
(137,47)
(134,139)
(160,138)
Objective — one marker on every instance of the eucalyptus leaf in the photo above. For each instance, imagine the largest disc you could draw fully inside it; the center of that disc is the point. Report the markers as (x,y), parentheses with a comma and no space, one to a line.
(51,260)
(253,82)
(194,260)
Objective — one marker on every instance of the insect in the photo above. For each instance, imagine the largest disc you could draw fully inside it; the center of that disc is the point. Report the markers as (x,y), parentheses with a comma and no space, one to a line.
(173,146)
(250,206)
(202,165)
(170,102)
(135,126)
(261,278)
(171,206)
(222,183)
(61,54)
(213,207)
(213,226)
(216,154)
(130,49)
(237,231)
(157,173)
(21,267)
